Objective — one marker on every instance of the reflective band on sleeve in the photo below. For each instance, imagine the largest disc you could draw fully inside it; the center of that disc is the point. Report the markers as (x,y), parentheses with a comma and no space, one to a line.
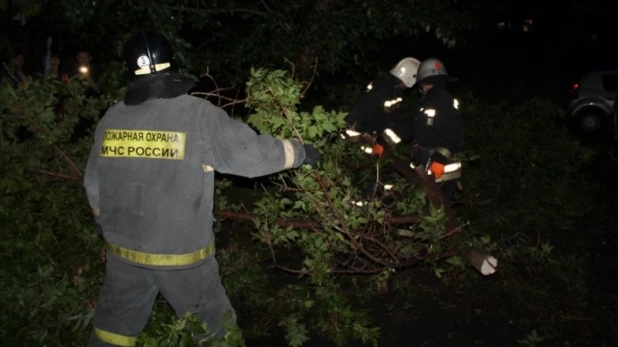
(389,103)
(115,339)
(392,136)
(352,133)
(161,259)
(290,154)
(452,167)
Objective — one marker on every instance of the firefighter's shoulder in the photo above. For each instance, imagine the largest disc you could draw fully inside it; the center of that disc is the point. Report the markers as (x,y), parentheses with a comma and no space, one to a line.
(203,107)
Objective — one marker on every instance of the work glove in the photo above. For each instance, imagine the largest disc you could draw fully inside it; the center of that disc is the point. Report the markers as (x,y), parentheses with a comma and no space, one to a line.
(311,156)
(437,169)
(378,150)
(437,163)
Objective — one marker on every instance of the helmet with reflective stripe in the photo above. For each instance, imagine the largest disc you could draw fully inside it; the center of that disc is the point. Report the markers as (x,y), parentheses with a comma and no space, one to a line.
(405,70)
(147,53)
(432,67)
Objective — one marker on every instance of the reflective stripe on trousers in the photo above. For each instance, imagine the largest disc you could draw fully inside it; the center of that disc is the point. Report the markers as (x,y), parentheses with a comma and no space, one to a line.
(129,292)
(115,339)
(161,259)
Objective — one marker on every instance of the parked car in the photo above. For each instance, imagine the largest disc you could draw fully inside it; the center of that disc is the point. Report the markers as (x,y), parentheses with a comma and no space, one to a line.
(591,101)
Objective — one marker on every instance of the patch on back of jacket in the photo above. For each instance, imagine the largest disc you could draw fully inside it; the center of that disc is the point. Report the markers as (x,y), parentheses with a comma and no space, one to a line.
(149,144)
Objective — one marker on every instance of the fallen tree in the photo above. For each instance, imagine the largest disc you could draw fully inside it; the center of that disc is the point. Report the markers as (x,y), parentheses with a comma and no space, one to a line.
(315,210)
(304,212)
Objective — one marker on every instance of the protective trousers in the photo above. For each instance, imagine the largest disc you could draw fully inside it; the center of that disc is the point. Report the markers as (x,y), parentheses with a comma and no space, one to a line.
(129,292)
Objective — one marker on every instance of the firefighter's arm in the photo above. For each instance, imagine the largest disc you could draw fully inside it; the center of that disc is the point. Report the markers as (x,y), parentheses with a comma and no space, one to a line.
(91,179)
(423,130)
(239,150)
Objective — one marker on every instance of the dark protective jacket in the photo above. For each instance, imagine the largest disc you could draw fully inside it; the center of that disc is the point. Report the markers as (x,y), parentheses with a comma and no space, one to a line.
(377,109)
(439,123)
(150,174)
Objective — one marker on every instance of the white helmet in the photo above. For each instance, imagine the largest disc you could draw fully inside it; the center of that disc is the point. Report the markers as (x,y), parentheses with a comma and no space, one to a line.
(405,70)
(433,67)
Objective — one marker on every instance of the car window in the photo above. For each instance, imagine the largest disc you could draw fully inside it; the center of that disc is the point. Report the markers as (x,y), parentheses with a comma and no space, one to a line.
(610,82)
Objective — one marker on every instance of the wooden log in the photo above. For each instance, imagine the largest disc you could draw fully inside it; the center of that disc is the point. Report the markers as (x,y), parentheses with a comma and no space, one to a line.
(483,262)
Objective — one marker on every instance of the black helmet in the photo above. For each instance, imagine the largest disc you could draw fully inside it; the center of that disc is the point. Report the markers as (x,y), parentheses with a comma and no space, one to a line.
(147,53)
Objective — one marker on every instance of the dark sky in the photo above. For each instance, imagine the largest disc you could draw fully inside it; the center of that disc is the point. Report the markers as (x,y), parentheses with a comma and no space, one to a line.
(563,42)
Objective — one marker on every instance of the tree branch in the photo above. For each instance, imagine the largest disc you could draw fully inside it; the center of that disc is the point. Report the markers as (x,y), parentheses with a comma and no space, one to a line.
(57,175)
(315,68)
(306,224)
(283,223)
(60,151)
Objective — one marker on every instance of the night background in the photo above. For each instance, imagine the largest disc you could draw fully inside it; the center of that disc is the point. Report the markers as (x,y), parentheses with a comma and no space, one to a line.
(539,191)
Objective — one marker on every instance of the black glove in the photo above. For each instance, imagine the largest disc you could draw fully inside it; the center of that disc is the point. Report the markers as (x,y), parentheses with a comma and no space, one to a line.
(311,156)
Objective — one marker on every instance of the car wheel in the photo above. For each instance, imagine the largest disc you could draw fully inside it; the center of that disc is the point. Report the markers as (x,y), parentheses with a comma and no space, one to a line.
(590,122)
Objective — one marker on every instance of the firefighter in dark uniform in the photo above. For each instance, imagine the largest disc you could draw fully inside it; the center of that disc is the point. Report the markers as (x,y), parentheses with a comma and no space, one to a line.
(377,112)
(150,183)
(438,129)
